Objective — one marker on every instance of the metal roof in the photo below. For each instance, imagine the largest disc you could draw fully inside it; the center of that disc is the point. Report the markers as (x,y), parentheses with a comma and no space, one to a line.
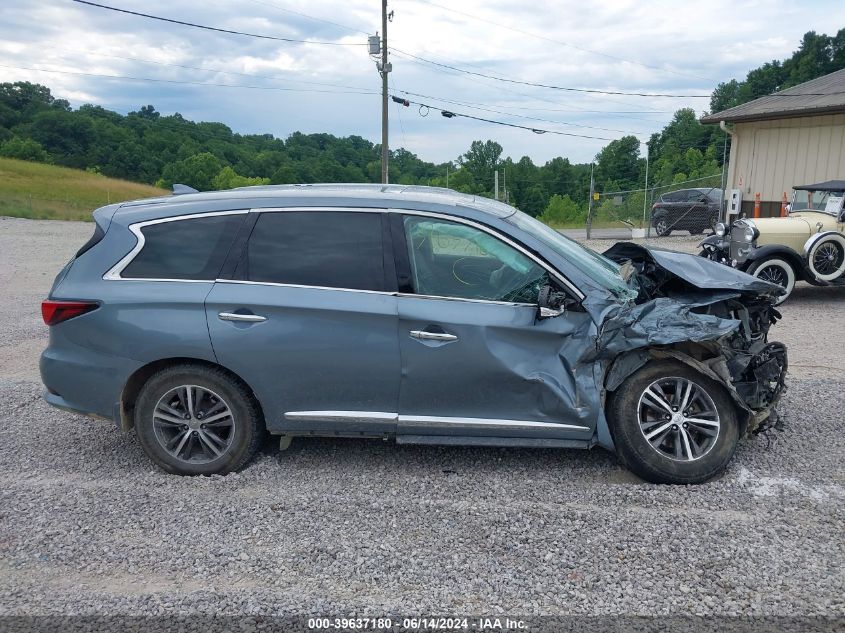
(824,95)
(827,185)
(353,192)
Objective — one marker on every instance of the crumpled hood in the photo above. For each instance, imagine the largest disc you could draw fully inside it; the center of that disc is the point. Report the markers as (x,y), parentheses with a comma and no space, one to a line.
(656,266)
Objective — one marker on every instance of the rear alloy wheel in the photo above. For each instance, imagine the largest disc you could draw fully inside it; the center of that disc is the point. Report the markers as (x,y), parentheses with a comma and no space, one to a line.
(826,258)
(672,425)
(776,271)
(661,226)
(195,420)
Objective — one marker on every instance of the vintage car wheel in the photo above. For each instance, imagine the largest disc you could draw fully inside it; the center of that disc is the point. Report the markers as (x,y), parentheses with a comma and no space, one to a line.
(673,425)
(196,420)
(826,258)
(776,271)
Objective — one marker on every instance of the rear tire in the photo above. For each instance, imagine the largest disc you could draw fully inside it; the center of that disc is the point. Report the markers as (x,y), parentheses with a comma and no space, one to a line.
(777,271)
(655,447)
(196,420)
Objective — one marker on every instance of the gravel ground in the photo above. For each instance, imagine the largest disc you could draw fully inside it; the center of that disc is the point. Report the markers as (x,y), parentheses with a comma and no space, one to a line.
(89,526)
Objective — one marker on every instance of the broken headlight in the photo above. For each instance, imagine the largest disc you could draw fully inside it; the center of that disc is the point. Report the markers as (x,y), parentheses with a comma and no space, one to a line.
(720,229)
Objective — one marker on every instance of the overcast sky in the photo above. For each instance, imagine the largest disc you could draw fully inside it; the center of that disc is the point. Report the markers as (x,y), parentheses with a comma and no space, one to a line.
(617,45)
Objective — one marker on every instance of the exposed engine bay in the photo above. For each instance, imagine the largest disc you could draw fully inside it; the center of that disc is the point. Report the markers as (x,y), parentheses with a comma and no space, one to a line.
(717,322)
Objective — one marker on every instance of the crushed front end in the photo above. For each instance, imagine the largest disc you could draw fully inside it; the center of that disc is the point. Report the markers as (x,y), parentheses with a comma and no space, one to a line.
(706,315)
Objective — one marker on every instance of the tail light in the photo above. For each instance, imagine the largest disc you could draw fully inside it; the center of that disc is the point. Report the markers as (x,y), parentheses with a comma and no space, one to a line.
(55,312)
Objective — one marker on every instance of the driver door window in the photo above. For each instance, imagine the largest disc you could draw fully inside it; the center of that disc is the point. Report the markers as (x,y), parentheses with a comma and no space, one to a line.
(449,259)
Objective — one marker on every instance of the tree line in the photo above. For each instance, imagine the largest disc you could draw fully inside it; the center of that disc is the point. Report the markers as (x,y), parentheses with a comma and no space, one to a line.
(145,146)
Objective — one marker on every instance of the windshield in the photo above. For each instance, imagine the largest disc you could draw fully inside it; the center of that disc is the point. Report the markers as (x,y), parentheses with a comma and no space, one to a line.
(815,200)
(597,267)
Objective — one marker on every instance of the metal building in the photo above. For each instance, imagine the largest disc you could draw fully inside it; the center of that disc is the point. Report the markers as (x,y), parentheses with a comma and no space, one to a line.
(788,138)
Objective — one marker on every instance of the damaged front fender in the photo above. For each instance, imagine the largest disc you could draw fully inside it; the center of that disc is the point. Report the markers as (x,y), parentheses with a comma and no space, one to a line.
(719,326)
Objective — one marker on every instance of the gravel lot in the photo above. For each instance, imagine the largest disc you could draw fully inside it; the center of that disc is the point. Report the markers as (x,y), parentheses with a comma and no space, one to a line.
(88,525)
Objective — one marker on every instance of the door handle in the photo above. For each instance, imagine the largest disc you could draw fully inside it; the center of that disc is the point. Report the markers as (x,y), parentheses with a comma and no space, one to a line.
(234,316)
(433,336)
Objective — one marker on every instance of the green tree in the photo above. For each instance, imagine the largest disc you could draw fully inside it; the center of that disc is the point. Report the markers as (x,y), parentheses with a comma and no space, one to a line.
(197,171)
(227,178)
(480,162)
(618,165)
(23,149)
(562,210)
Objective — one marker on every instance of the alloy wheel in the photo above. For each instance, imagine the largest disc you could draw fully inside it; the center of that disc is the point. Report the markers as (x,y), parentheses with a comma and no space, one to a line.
(193,424)
(662,227)
(678,419)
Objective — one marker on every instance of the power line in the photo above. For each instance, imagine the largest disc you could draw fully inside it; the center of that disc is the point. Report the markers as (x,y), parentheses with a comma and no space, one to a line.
(479,106)
(450,114)
(319,83)
(501,88)
(469,104)
(561,43)
(549,86)
(211,28)
(191,83)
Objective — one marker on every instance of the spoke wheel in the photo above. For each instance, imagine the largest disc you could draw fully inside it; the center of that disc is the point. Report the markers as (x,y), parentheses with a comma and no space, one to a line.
(678,418)
(778,272)
(828,258)
(193,424)
(773,274)
(662,227)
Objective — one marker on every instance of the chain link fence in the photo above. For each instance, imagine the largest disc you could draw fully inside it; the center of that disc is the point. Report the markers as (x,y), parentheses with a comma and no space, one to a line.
(693,205)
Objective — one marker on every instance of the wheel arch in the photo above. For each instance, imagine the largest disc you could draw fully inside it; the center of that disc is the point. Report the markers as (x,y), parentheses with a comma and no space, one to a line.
(778,251)
(693,354)
(132,387)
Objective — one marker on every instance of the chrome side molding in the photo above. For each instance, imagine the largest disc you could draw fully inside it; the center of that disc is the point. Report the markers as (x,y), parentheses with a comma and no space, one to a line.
(426,420)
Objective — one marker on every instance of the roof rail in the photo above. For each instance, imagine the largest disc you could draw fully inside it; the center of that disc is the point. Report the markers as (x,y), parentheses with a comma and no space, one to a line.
(179,189)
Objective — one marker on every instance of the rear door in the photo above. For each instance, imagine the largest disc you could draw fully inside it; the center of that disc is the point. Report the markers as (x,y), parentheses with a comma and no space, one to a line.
(475,361)
(308,318)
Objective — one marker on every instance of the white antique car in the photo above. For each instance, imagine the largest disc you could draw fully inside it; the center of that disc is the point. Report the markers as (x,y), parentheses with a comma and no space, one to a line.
(808,244)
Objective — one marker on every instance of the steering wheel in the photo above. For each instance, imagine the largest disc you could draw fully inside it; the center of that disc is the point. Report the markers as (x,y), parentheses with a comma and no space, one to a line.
(470,272)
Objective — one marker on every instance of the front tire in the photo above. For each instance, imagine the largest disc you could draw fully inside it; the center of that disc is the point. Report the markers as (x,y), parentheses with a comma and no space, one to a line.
(777,271)
(661,225)
(196,420)
(673,425)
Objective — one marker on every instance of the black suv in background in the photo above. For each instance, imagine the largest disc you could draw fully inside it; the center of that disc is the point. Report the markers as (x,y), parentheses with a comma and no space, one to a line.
(692,210)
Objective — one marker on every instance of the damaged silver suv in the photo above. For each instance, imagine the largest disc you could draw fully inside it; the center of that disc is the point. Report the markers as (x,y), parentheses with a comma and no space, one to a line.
(205,320)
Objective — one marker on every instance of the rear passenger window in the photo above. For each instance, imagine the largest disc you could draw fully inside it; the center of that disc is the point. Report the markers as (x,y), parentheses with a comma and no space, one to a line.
(184,249)
(316,248)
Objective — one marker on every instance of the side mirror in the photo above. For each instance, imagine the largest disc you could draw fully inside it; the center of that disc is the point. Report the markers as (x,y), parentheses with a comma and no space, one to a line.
(550,303)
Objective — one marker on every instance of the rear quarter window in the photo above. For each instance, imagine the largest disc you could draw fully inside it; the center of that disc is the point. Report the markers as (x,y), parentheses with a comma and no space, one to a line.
(184,249)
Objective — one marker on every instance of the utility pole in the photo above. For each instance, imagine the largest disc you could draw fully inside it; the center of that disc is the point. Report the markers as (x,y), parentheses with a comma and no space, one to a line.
(385,68)
(645,189)
(447,175)
(590,203)
(496,184)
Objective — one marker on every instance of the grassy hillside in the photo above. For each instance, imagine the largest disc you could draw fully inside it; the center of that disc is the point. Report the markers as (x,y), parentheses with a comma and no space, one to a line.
(47,192)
